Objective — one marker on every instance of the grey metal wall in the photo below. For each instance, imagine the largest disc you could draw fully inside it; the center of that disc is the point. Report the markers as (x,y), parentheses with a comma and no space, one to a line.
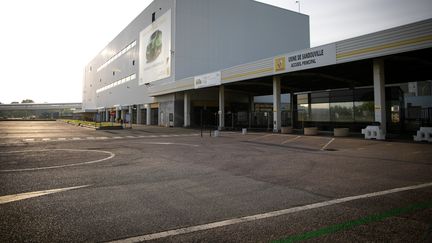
(212,35)
(127,93)
(206,36)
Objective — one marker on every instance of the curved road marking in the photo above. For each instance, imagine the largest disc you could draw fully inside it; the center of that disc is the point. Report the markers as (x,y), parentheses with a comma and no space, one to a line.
(27,195)
(111,155)
(272,214)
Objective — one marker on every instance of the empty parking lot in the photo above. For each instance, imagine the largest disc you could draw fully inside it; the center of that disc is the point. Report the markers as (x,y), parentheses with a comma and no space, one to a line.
(61,183)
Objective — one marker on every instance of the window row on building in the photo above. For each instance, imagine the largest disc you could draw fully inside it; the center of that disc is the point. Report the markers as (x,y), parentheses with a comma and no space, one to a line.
(119,54)
(337,106)
(117,83)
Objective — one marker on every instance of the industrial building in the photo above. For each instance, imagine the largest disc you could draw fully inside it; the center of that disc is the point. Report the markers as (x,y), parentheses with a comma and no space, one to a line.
(39,111)
(235,64)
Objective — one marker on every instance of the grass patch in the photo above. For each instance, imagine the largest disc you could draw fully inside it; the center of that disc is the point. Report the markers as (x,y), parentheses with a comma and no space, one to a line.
(92,124)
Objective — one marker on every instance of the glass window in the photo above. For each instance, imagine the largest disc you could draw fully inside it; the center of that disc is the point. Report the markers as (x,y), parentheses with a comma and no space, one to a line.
(364,111)
(346,95)
(342,111)
(302,99)
(320,112)
(320,97)
(364,94)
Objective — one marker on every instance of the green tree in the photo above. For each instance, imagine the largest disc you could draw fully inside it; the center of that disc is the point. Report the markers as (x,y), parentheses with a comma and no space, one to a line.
(27,101)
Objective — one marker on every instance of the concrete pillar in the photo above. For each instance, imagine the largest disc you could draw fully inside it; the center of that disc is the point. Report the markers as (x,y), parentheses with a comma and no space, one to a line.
(148,118)
(293,108)
(130,114)
(107,115)
(117,114)
(138,114)
(187,104)
(122,114)
(379,93)
(251,104)
(277,115)
(221,107)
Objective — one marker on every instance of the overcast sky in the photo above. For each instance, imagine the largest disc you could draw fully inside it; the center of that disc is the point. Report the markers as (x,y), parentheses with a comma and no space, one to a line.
(45,44)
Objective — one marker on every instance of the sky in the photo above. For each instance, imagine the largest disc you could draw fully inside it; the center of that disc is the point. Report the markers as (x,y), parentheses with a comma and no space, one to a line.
(45,44)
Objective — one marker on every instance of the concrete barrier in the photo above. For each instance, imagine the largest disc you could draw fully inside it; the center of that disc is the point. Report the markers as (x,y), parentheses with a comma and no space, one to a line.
(310,131)
(341,132)
(424,134)
(373,132)
(285,130)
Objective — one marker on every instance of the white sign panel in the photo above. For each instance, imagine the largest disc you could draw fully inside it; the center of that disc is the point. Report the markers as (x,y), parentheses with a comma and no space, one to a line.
(312,58)
(155,50)
(207,80)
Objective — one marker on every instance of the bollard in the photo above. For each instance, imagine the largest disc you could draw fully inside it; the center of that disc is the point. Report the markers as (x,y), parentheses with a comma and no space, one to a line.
(244,131)
(216,133)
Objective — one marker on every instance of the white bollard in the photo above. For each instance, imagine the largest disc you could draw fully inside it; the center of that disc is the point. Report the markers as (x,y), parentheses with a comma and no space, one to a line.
(244,131)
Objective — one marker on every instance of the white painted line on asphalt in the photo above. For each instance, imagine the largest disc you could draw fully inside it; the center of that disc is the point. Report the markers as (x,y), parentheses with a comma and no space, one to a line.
(27,195)
(106,138)
(291,139)
(111,155)
(272,214)
(169,143)
(325,146)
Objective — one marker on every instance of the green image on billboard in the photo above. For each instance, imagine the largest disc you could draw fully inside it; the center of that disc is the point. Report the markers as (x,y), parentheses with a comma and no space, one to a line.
(154,47)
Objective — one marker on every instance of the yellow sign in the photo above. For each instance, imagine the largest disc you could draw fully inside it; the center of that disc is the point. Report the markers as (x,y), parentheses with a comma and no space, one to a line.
(280,64)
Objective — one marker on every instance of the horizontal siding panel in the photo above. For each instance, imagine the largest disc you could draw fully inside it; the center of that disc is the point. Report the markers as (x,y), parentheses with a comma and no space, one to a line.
(386,49)
(390,37)
(413,30)
(179,85)
(385,52)
(401,39)
(251,70)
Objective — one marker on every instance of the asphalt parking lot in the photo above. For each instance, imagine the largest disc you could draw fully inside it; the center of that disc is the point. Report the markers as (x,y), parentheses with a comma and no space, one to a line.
(61,183)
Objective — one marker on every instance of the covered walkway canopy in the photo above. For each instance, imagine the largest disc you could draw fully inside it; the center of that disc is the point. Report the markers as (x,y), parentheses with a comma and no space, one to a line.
(380,77)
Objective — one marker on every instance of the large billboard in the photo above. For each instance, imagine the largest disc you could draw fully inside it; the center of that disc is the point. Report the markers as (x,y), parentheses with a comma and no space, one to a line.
(155,50)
